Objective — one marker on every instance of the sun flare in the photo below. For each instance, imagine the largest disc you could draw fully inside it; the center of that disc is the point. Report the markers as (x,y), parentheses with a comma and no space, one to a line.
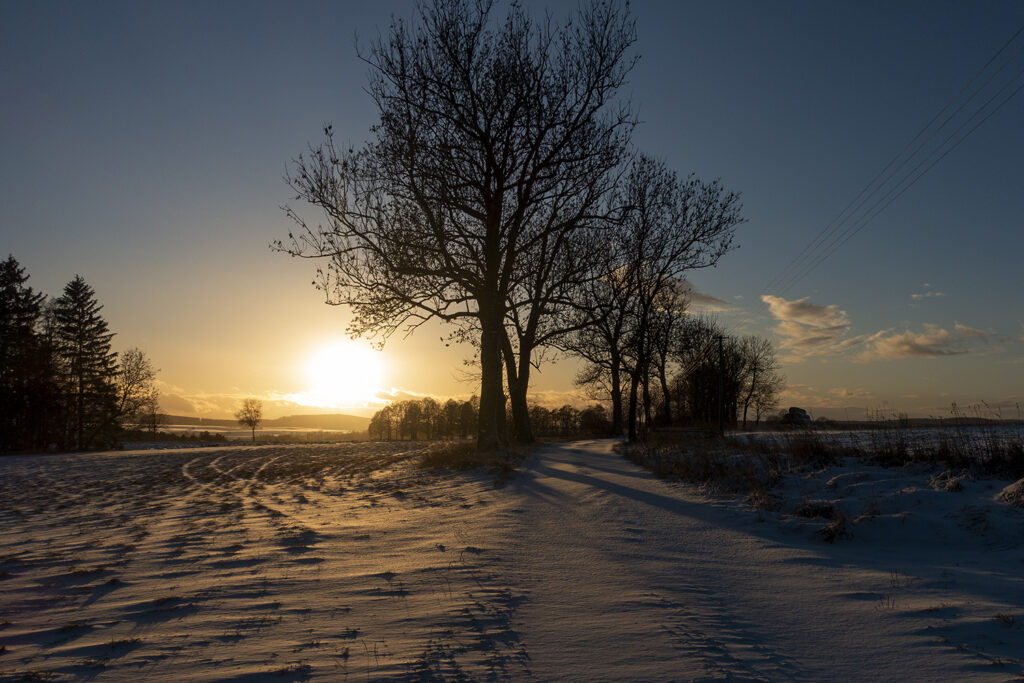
(342,374)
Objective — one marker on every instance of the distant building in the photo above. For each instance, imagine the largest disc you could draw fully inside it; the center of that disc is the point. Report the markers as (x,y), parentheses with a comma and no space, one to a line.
(796,416)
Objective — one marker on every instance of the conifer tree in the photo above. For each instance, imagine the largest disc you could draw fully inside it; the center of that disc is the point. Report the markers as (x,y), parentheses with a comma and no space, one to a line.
(20,312)
(87,368)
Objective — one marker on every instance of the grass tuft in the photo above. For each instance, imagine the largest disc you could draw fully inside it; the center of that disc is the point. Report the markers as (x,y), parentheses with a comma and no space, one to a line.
(840,528)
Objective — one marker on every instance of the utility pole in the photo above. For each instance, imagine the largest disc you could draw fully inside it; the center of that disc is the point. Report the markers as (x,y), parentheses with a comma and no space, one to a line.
(721,386)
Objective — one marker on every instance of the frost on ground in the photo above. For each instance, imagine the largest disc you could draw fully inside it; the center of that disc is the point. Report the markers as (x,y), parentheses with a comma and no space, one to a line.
(347,561)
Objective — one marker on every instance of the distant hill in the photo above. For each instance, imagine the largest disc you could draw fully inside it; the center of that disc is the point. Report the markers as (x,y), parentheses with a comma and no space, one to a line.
(312,422)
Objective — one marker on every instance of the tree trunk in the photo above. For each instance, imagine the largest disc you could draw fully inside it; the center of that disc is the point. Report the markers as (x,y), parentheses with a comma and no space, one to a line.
(666,393)
(616,371)
(518,386)
(489,438)
(647,398)
(634,385)
(749,396)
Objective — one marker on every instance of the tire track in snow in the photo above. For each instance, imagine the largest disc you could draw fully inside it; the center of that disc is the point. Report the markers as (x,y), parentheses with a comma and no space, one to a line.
(600,550)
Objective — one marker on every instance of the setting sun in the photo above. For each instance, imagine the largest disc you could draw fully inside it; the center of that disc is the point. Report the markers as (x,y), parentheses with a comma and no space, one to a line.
(342,374)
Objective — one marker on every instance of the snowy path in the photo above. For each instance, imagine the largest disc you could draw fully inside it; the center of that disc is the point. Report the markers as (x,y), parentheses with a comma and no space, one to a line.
(624,576)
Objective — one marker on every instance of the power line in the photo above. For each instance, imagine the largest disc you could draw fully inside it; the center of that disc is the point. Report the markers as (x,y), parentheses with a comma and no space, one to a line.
(871,212)
(857,228)
(866,193)
(807,260)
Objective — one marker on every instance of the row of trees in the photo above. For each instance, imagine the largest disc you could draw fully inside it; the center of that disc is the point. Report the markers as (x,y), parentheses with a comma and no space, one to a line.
(426,418)
(500,194)
(690,372)
(61,384)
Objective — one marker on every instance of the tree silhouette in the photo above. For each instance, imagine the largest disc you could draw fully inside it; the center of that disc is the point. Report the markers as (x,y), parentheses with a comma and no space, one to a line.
(250,414)
(86,366)
(761,381)
(669,226)
(496,145)
(137,395)
(25,377)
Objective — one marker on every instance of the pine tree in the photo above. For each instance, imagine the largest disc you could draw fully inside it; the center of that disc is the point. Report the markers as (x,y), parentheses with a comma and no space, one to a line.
(87,368)
(20,312)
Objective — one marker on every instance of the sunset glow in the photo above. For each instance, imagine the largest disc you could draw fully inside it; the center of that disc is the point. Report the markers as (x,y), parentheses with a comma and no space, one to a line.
(342,374)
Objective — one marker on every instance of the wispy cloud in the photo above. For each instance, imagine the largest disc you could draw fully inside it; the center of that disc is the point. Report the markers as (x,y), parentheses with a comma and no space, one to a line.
(805,395)
(934,342)
(842,392)
(706,302)
(928,293)
(806,328)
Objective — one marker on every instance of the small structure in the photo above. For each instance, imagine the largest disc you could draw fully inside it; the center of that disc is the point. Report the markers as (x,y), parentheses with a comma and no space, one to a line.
(796,417)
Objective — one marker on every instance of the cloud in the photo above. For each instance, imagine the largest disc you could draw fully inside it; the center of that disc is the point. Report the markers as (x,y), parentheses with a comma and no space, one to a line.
(841,392)
(835,398)
(809,329)
(396,394)
(934,342)
(556,399)
(177,401)
(707,302)
(927,294)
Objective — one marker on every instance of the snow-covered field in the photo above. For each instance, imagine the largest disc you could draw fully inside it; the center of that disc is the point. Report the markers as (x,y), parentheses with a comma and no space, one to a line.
(246,563)
(979,439)
(345,561)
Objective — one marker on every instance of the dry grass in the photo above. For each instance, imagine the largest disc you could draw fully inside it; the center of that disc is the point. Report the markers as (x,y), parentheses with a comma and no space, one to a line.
(459,455)
(705,461)
(840,528)
(455,455)
(1013,494)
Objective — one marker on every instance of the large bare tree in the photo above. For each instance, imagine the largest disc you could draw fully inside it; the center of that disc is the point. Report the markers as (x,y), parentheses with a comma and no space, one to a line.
(497,141)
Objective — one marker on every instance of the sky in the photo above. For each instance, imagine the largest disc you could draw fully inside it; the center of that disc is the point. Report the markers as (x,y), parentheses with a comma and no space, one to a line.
(144,147)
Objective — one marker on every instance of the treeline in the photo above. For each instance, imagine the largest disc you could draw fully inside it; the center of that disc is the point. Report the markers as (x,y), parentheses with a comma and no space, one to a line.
(426,418)
(61,384)
(676,368)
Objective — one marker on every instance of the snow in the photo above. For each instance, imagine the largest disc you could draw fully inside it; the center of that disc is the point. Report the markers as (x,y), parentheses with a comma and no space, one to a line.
(338,561)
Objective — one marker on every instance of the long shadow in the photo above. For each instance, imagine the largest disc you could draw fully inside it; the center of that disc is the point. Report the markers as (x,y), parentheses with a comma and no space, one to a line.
(673,505)
(619,472)
(994,586)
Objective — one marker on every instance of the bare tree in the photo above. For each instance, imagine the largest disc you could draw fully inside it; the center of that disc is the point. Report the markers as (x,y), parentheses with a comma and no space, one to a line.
(666,326)
(605,334)
(250,414)
(671,226)
(497,142)
(766,399)
(137,395)
(761,381)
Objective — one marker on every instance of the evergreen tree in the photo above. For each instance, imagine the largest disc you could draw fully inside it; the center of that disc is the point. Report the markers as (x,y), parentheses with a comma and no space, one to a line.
(87,368)
(20,375)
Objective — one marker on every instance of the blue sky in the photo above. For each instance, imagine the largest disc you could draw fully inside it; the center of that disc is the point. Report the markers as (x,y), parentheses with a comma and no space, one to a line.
(144,146)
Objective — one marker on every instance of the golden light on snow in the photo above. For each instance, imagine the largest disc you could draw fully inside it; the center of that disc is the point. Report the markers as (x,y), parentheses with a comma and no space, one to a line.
(342,374)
